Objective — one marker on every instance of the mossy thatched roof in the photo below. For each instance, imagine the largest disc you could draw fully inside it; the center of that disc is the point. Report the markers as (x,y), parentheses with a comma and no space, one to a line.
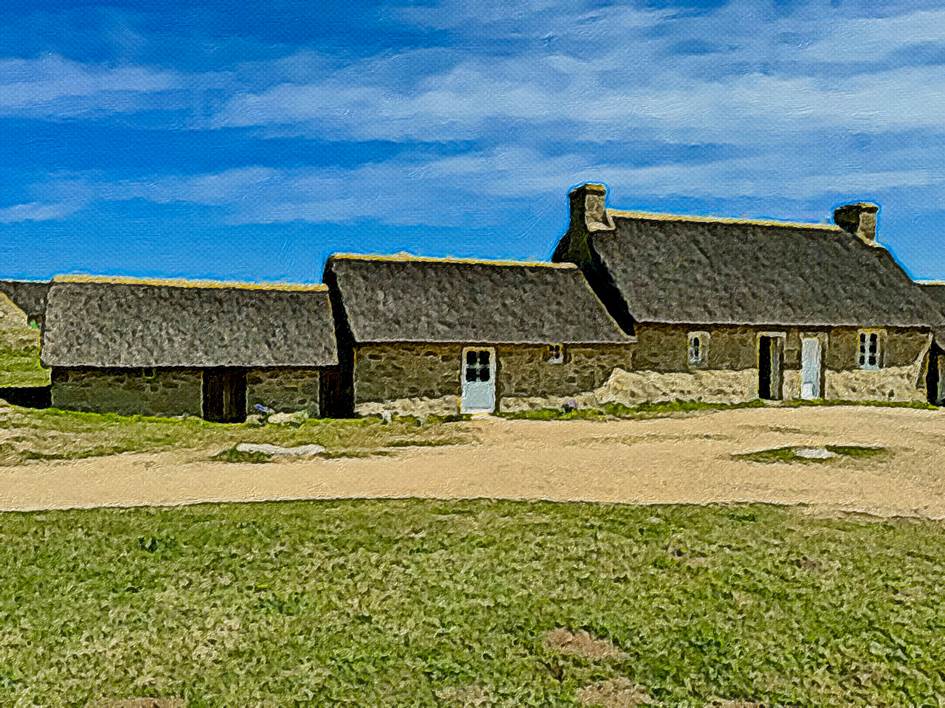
(411,299)
(692,270)
(107,322)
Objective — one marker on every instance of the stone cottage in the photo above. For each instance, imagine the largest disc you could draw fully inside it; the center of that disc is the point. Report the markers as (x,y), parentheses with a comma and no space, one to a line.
(211,349)
(428,335)
(730,310)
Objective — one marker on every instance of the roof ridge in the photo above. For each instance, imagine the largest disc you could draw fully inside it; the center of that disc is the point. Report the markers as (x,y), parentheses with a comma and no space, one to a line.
(410,258)
(187,283)
(660,216)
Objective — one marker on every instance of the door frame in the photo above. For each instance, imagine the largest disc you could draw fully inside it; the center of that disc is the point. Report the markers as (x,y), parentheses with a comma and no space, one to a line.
(779,337)
(819,392)
(462,379)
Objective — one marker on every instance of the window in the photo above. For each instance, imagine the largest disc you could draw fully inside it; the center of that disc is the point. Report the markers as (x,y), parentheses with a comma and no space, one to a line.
(869,353)
(477,365)
(149,373)
(555,354)
(698,343)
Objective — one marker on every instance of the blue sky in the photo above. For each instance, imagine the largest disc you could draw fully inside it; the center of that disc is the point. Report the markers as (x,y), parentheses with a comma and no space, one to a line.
(249,140)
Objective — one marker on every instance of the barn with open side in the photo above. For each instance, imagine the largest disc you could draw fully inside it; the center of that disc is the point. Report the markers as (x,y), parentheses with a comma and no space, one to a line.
(439,336)
(210,349)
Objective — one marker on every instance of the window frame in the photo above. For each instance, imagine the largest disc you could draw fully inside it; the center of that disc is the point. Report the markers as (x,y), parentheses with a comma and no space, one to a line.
(862,354)
(703,358)
(555,354)
(478,366)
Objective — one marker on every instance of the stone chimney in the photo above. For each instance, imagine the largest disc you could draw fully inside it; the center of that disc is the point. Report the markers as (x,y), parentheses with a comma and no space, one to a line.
(589,208)
(858,219)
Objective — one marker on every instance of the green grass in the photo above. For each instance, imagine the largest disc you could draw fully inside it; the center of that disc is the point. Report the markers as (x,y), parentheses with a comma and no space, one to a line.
(652,410)
(618,410)
(54,434)
(231,454)
(411,602)
(19,359)
(787,454)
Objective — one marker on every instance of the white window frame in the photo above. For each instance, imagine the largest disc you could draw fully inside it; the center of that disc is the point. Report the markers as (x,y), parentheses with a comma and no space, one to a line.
(555,354)
(862,355)
(703,358)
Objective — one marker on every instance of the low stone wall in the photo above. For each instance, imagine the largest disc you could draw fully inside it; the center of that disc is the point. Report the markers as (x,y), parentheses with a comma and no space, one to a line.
(707,385)
(894,383)
(419,407)
(167,392)
(284,390)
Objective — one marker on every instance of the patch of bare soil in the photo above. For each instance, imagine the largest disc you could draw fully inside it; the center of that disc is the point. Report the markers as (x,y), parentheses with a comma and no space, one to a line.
(583,644)
(613,693)
(682,460)
(470,696)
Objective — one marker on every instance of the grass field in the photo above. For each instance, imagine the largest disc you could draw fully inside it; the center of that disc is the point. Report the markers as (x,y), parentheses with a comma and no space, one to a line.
(53,434)
(436,603)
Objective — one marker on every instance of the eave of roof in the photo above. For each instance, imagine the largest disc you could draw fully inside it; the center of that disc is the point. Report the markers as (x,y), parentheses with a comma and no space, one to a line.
(185,283)
(657,216)
(409,258)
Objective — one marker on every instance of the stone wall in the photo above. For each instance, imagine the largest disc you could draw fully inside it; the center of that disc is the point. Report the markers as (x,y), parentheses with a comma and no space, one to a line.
(663,349)
(419,379)
(284,390)
(900,378)
(526,380)
(164,392)
(424,379)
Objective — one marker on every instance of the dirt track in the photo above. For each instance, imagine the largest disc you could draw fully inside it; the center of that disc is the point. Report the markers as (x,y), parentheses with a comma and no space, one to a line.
(670,460)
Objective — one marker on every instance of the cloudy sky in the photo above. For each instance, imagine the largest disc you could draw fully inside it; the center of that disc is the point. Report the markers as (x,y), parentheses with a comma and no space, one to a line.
(249,140)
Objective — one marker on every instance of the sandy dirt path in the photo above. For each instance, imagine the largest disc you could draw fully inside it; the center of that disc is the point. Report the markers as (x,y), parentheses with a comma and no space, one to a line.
(686,459)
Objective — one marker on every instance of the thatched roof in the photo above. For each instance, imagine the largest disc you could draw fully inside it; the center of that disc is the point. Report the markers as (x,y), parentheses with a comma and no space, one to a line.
(692,270)
(412,299)
(126,322)
(28,295)
(936,293)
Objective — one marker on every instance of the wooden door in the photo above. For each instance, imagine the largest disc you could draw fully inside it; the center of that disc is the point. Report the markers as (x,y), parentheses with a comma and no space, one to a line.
(224,395)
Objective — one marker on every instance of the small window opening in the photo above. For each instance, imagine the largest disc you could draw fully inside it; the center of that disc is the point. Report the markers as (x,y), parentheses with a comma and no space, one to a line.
(697,348)
(869,353)
(149,373)
(555,354)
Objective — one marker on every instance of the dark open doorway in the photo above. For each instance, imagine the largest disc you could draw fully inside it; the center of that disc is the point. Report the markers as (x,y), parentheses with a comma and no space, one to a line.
(224,395)
(770,367)
(934,383)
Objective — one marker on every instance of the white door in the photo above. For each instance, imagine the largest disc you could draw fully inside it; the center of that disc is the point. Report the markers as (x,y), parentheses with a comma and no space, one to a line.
(478,369)
(810,368)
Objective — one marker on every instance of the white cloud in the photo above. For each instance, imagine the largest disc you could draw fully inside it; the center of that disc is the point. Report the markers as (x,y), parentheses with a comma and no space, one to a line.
(37,211)
(614,71)
(54,84)
(483,187)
